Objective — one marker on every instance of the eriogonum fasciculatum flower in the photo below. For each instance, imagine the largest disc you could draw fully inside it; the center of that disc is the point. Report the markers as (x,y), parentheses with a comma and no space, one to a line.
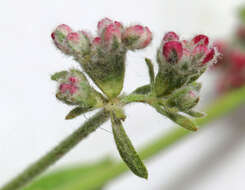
(173,91)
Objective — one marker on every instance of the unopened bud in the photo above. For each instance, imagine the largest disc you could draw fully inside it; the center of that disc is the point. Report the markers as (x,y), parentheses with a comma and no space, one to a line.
(184,98)
(172,51)
(59,37)
(112,35)
(209,56)
(74,89)
(102,24)
(78,42)
(170,36)
(137,37)
(201,40)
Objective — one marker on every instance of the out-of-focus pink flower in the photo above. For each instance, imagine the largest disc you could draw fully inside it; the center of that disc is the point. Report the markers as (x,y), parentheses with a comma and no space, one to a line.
(237,59)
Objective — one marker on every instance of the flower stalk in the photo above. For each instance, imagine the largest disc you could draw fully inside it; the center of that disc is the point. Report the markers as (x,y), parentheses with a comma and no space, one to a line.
(171,92)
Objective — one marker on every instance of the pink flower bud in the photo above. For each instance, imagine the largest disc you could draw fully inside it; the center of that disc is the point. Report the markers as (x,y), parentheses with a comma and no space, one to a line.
(102,24)
(137,37)
(209,56)
(172,51)
(59,37)
(201,39)
(200,50)
(78,42)
(170,36)
(68,88)
(96,41)
(62,29)
(73,80)
(112,33)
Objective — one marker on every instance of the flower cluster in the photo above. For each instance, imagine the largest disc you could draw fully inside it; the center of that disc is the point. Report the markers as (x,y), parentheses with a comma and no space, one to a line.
(171,92)
(103,57)
(182,62)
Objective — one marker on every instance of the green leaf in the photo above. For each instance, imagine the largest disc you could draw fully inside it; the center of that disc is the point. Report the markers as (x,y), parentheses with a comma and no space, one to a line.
(143,89)
(77,111)
(59,75)
(151,70)
(126,149)
(181,120)
(194,113)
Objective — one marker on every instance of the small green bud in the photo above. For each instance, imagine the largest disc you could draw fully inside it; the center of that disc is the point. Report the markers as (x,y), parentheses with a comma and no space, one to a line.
(184,98)
(77,112)
(74,89)
(183,121)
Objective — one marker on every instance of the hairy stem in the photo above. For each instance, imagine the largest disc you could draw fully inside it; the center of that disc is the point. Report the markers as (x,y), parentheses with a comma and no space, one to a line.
(216,109)
(58,152)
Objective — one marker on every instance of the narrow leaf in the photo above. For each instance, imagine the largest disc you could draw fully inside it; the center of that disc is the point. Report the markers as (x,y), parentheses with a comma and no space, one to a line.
(59,75)
(143,89)
(126,149)
(150,69)
(194,113)
(181,120)
(77,111)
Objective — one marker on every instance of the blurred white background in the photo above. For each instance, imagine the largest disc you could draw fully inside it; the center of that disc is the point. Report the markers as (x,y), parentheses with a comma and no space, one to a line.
(32,121)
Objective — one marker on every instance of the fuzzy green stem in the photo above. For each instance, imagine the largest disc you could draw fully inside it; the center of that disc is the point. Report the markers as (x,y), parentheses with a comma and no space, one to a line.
(219,108)
(135,98)
(58,152)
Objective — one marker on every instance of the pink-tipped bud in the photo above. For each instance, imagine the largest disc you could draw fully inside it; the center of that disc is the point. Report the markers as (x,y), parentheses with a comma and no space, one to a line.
(170,36)
(59,37)
(172,51)
(137,37)
(96,41)
(73,80)
(68,88)
(200,50)
(78,42)
(209,56)
(201,39)
(102,24)
(111,34)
